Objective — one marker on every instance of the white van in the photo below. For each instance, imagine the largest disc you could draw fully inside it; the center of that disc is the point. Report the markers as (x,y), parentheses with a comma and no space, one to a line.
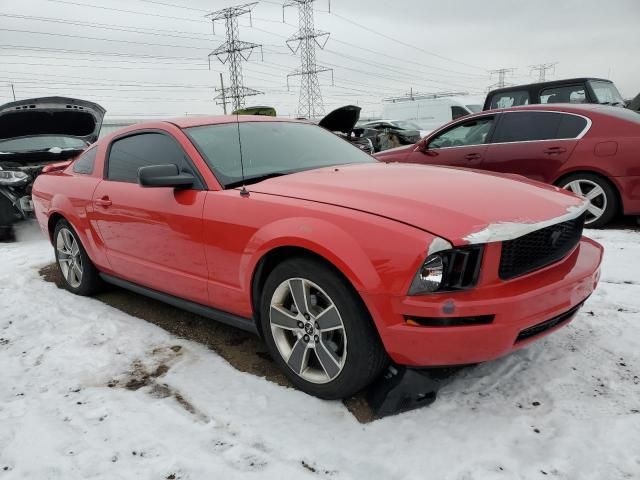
(430,111)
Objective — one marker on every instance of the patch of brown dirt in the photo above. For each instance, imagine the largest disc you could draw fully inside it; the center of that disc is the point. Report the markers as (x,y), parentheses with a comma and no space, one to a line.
(242,350)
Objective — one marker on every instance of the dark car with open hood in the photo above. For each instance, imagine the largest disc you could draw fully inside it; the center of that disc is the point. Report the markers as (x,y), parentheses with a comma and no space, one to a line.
(35,134)
(342,121)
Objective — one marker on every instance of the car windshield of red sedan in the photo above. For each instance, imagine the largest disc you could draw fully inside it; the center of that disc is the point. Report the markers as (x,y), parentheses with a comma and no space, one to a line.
(269,149)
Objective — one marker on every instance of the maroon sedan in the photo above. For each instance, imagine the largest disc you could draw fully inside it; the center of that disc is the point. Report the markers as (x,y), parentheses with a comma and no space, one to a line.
(592,150)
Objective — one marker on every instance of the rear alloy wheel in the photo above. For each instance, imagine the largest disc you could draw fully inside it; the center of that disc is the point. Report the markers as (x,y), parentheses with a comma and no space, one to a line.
(79,273)
(603,201)
(318,330)
(69,259)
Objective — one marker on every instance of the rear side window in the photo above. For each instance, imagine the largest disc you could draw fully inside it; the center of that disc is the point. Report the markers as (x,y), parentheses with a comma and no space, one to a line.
(569,94)
(510,99)
(531,126)
(85,162)
(128,154)
(571,126)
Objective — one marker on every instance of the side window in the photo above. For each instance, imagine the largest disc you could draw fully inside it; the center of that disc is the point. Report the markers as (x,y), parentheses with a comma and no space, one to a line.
(85,162)
(457,112)
(473,132)
(571,126)
(127,155)
(569,94)
(527,126)
(510,99)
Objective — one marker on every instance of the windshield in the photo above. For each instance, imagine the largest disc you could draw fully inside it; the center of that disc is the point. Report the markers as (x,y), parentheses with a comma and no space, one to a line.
(606,92)
(405,124)
(269,149)
(474,108)
(40,143)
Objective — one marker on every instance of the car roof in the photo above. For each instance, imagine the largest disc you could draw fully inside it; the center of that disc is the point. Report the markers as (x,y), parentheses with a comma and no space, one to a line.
(550,83)
(579,108)
(199,121)
(193,121)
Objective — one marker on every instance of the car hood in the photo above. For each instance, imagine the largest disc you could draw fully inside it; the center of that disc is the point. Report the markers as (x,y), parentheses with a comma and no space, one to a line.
(462,206)
(341,119)
(51,116)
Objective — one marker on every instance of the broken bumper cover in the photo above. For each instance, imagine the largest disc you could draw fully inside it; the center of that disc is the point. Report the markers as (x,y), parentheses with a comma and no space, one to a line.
(510,314)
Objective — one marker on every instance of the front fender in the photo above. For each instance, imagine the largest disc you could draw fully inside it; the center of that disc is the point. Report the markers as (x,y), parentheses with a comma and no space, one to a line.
(319,236)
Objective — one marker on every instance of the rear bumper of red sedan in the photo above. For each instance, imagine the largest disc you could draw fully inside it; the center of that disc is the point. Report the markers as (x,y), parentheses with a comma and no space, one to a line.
(493,319)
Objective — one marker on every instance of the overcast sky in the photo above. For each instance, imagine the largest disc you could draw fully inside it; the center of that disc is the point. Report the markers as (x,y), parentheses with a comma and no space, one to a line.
(154,62)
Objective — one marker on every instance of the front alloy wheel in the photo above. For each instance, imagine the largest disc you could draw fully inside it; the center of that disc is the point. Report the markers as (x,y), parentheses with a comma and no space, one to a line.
(308,330)
(318,330)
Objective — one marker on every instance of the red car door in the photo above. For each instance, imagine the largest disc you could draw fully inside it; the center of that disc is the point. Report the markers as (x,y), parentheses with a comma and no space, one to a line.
(461,145)
(534,144)
(152,236)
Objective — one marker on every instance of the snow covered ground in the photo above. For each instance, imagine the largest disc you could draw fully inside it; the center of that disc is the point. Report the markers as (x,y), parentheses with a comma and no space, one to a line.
(566,407)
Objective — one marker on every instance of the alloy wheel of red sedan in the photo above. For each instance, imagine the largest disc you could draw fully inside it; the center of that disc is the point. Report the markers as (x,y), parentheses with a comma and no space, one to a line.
(596,195)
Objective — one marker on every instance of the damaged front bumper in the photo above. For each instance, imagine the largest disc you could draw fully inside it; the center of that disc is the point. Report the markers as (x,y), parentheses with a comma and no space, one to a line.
(490,320)
(15,193)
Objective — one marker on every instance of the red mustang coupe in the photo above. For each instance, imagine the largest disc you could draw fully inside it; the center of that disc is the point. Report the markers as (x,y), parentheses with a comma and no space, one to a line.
(341,263)
(592,150)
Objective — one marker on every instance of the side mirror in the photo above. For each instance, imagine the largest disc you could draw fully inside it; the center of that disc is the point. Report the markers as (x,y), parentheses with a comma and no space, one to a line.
(164,176)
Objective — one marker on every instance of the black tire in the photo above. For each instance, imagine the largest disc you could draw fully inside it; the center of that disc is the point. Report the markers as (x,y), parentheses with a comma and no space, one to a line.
(611,203)
(365,356)
(90,281)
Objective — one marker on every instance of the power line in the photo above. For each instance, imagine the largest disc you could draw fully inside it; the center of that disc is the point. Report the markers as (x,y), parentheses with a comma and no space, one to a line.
(404,43)
(410,62)
(173,5)
(111,67)
(95,53)
(109,26)
(148,14)
(67,35)
(103,60)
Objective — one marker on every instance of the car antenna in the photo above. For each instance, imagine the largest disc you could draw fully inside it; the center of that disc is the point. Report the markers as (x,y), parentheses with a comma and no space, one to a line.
(243,191)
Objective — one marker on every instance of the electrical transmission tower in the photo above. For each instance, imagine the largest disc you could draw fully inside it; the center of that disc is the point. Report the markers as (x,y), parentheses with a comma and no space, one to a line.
(306,39)
(502,75)
(542,68)
(233,51)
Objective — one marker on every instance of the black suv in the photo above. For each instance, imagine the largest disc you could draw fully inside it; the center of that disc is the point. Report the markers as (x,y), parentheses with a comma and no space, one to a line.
(572,90)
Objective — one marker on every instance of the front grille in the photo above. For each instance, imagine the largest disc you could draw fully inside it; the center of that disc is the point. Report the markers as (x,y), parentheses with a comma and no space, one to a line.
(548,324)
(540,248)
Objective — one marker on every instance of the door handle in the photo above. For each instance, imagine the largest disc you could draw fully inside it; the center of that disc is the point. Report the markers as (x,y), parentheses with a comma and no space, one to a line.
(103,202)
(472,156)
(555,150)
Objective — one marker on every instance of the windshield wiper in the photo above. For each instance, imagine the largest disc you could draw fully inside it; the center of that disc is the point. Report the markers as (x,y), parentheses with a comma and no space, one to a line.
(256,179)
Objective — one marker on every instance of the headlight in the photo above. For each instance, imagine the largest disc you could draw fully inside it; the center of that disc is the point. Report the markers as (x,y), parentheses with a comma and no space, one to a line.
(12,178)
(429,276)
(448,270)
